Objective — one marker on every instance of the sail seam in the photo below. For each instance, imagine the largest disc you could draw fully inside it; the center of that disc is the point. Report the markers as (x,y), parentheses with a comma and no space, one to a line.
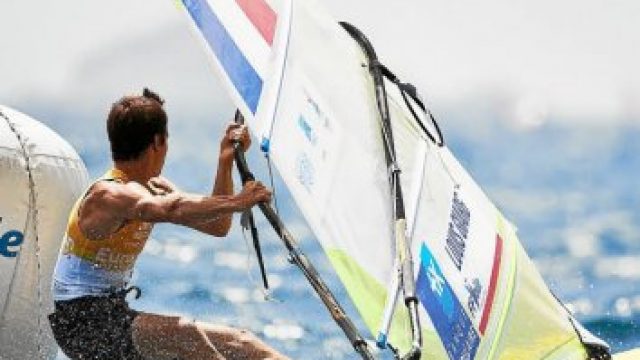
(552,351)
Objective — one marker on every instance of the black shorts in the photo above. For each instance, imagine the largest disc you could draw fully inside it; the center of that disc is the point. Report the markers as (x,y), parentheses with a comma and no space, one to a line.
(95,328)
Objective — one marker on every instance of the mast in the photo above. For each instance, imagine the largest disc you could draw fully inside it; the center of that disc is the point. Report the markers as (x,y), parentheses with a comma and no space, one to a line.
(403,251)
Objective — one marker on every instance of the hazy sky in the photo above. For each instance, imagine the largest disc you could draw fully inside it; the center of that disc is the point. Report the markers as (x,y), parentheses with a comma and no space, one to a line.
(571,60)
(572,63)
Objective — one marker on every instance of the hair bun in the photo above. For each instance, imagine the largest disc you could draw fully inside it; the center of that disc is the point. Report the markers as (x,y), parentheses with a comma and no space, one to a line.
(152,95)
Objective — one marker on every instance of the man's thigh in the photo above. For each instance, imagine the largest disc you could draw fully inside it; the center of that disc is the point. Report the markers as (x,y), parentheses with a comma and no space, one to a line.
(158,336)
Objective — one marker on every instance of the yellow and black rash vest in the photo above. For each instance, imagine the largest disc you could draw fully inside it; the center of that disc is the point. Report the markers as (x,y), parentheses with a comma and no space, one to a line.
(87,267)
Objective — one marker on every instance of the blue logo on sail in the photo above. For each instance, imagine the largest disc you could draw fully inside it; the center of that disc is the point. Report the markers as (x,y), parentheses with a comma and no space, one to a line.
(438,288)
(452,323)
(307,130)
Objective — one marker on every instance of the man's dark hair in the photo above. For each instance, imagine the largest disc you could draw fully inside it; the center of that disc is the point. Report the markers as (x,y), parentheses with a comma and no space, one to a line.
(133,123)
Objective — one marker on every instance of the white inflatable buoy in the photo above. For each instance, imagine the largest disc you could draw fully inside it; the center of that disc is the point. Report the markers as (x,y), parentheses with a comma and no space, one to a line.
(41,176)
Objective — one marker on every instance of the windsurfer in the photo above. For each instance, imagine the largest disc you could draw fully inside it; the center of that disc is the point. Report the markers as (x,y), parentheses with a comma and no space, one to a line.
(108,228)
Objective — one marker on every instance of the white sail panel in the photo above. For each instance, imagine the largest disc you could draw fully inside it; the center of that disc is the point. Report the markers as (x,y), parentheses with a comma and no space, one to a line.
(321,170)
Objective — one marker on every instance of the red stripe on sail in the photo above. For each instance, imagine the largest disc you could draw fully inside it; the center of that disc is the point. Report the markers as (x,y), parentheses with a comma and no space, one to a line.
(497,257)
(261,16)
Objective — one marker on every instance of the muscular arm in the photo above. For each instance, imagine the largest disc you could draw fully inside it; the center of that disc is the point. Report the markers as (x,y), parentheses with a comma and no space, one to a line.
(110,204)
(223,186)
(220,224)
(223,183)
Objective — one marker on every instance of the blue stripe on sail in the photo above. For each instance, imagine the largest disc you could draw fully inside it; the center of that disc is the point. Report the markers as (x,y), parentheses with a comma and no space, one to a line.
(243,76)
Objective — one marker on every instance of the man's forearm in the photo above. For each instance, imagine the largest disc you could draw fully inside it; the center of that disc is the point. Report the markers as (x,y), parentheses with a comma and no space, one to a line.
(223,184)
(206,214)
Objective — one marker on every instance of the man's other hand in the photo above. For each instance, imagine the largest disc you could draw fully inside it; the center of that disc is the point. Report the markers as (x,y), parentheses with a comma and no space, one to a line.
(252,193)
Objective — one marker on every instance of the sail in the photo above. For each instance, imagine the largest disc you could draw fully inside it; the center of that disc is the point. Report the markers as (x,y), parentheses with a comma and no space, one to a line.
(304,86)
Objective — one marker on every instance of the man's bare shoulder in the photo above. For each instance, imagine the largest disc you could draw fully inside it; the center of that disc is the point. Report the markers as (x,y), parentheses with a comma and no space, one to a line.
(106,205)
(115,195)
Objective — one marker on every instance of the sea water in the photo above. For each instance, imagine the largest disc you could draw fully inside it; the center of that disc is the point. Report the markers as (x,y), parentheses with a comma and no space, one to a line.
(216,280)
(582,237)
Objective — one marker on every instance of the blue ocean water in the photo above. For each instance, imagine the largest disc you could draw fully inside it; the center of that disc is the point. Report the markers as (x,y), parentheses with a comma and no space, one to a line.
(585,243)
